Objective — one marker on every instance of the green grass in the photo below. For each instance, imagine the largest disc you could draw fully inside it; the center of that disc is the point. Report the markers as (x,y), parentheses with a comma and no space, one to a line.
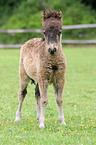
(79,103)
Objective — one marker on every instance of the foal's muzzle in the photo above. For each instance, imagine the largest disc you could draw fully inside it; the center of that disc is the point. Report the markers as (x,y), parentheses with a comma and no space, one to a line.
(52,51)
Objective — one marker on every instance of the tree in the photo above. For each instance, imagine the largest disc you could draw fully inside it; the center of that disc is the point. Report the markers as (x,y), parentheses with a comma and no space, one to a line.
(92,3)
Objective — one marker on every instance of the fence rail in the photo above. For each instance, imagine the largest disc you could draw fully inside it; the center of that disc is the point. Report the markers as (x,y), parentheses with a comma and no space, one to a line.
(10,45)
(79,26)
(79,41)
(21,31)
(12,31)
(63,42)
(40,30)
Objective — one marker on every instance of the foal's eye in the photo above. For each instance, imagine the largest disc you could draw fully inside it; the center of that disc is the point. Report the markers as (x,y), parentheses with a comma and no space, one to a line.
(43,31)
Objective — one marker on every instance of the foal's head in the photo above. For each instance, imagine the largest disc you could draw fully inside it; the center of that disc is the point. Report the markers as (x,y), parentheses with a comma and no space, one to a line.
(52,30)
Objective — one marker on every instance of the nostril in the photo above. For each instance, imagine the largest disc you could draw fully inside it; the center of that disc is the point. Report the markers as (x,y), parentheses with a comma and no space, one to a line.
(52,51)
(49,49)
(55,49)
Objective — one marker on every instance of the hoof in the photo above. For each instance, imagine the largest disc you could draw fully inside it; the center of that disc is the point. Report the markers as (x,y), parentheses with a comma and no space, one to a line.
(37,117)
(41,126)
(63,123)
(17,119)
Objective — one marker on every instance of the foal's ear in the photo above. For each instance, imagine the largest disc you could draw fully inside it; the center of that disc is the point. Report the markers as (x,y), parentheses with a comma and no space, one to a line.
(59,14)
(44,15)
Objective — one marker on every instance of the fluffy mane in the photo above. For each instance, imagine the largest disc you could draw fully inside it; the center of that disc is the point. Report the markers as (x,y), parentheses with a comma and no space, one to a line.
(52,14)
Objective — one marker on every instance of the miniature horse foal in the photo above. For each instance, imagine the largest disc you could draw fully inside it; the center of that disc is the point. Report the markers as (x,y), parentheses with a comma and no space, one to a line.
(43,61)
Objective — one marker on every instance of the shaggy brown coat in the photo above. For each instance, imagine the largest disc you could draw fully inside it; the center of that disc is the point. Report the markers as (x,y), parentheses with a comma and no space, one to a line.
(38,65)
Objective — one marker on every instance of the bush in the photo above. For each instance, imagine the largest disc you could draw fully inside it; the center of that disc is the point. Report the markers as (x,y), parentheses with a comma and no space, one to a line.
(27,14)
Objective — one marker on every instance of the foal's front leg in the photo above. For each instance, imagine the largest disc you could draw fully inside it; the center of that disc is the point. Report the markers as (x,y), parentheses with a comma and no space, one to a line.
(59,100)
(43,101)
(37,97)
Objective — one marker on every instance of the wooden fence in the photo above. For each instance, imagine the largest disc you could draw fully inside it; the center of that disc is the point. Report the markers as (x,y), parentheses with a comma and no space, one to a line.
(12,31)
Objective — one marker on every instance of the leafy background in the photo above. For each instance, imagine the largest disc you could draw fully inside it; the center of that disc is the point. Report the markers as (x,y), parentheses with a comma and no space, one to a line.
(27,14)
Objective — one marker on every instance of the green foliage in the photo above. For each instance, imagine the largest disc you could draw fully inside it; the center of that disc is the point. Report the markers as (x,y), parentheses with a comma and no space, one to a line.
(79,103)
(22,21)
(27,14)
(6,9)
(92,3)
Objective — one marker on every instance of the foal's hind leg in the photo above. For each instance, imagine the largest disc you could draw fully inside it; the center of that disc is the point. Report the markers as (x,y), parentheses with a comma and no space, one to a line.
(37,96)
(24,79)
(59,100)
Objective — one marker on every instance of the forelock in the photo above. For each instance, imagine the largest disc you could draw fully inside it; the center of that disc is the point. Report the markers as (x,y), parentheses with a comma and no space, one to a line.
(52,14)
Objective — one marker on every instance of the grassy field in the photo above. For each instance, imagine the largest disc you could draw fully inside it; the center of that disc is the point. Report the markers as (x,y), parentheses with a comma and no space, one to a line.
(79,103)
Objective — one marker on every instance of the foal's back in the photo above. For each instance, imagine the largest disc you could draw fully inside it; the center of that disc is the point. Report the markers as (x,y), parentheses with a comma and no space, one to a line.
(31,47)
